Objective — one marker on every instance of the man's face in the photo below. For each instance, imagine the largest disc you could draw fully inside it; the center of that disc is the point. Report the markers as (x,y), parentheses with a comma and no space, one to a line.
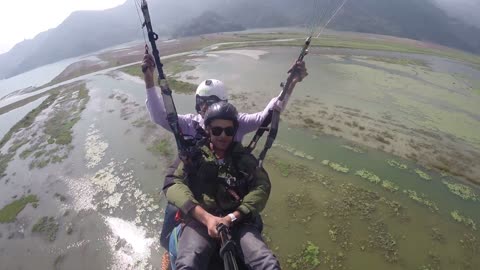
(221,133)
(202,103)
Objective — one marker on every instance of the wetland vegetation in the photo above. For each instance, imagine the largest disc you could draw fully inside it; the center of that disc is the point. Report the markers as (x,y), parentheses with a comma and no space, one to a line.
(46,226)
(176,85)
(361,223)
(10,211)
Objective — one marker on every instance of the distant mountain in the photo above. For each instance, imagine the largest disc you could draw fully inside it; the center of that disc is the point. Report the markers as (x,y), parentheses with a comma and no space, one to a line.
(11,60)
(415,19)
(80,33)
(257,14)
(207,22)
(88,31)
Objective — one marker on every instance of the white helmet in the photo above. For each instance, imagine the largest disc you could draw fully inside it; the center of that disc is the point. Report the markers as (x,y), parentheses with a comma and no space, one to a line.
(212,87)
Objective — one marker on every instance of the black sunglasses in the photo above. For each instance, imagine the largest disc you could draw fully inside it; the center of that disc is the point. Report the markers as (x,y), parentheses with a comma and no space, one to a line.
(200,101)
(217,131)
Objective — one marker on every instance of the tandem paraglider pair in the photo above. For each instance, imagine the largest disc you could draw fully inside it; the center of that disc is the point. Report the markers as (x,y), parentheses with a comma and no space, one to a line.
(213,217)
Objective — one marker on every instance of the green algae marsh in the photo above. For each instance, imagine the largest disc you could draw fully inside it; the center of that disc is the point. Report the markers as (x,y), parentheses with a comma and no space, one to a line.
(462,191)
(46,226)
(42,137)
(25,123)
(55,144)
(10,211)
(95,190)
(361,243)
(340,222)
(161,147)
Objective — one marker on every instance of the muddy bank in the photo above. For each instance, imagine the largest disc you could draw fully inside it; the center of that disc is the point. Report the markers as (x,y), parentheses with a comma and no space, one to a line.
(25,101)
(80,68)
(135,53)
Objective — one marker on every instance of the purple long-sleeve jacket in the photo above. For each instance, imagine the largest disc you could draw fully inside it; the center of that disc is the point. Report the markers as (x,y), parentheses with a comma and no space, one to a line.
(247,122)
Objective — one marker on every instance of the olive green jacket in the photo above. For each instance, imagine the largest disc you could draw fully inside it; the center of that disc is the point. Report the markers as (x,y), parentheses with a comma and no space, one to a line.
(220,188)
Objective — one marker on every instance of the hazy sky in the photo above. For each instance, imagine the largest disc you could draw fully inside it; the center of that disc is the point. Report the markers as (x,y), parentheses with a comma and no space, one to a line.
(466,10)
(23,19)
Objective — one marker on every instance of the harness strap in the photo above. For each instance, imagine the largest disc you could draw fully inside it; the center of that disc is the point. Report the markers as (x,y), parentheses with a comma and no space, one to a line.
(273,117)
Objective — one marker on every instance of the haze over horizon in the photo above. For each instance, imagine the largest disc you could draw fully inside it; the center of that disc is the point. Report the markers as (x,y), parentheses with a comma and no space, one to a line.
(48,14)
(465,10)
(18,23)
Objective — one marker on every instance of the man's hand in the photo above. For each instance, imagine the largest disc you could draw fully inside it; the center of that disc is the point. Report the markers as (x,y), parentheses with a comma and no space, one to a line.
(211,223)
(299,71)
(148,69)
(227,221)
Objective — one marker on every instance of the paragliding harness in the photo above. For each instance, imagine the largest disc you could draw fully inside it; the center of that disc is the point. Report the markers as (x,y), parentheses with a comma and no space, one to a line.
(233,184)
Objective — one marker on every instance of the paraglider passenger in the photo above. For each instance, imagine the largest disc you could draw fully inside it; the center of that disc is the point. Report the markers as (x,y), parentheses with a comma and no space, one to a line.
(227,188)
